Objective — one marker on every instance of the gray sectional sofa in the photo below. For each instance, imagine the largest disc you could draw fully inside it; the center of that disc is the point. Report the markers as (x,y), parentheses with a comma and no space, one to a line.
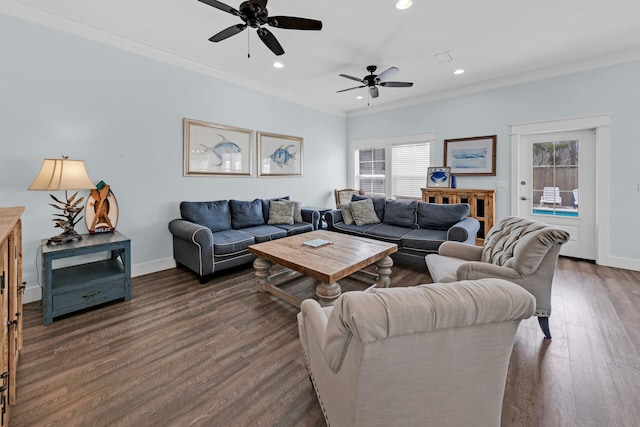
(418,228)
(213,236)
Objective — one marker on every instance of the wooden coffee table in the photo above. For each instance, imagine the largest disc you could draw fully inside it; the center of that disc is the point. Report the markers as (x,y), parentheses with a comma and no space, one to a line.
(345,256)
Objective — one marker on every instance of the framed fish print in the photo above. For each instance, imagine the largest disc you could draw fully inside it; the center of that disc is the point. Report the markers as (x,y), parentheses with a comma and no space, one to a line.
(279,155)
(471,156)
(213,149)
(438,177)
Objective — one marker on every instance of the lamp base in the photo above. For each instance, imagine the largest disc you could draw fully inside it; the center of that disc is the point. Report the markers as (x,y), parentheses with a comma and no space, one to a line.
(67,236)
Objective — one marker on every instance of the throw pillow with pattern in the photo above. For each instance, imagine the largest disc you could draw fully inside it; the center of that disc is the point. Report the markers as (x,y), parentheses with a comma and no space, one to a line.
(280,212)
(347,217)
(363,212)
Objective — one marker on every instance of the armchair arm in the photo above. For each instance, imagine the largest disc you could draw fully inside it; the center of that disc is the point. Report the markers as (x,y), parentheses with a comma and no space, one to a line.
(464,231)
(460,250)
(480,270)
(332,217)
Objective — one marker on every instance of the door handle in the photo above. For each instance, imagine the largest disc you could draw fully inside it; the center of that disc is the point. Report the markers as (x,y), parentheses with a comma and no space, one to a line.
(523,198)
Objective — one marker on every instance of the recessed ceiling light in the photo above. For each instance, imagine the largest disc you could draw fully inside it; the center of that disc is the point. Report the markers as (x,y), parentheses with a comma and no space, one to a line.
(458,71)
(278,64)
(403,4)
(359,97)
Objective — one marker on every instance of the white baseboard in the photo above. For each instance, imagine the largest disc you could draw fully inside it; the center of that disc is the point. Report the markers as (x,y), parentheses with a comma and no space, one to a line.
(152,267)
(34,293)
(619,262)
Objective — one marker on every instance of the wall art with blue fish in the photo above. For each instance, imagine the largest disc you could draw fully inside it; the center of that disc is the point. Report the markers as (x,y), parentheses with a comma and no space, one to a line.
(279,154)
(212,149)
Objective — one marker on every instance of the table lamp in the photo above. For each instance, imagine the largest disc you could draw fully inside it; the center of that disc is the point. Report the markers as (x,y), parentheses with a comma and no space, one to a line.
(64,174)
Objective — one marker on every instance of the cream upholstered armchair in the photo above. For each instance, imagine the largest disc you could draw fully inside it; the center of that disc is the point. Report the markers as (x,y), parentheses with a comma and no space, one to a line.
(344,196)
(520,250)
(429,355)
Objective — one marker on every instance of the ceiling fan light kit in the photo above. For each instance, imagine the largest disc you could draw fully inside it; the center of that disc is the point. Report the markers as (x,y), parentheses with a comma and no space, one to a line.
(254,14)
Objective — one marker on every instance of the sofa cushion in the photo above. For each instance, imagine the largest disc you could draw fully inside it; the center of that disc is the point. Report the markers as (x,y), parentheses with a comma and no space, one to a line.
(280,212)
(213,215)
(422,239)
(246,214)
(436,216)
(297,228)
(265,233)
(402,214)
(228,242)
(378,204)
(354,229)
(347,217)
(363,212)
(386,232)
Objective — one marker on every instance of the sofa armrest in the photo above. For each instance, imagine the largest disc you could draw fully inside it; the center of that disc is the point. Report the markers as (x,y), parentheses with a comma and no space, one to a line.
(311,216)
(332,217)
(464,231)
(191,232)
(460,250)
(480,270)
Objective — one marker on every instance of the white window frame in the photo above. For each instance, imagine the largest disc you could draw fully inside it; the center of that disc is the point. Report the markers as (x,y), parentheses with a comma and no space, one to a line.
(387,143)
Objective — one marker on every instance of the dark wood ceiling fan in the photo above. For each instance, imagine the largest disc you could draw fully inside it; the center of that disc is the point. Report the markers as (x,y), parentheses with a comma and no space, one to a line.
(254,14)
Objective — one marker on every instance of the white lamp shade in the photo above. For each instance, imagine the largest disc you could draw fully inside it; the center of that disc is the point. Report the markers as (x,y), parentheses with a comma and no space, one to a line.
(62,174)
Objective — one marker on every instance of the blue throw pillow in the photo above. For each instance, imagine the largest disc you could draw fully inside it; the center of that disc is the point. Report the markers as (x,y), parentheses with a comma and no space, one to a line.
(402,214)
(246,214)
(435,216)
(213,215)
(378,204)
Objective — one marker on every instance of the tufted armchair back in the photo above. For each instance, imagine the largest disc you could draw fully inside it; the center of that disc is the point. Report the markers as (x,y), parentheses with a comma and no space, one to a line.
(517,249)
(432,354)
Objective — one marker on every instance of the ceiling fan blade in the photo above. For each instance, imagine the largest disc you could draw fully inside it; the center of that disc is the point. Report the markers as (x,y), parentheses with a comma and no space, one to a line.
(258,5)
(396,84)
(270,40)
(373,91)
(221,6)
(387,74)
(228,32)
(351,88)
(293,23)
(352,78)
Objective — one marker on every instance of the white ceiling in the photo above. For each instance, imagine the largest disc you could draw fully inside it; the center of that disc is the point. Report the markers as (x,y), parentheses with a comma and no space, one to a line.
(497,42)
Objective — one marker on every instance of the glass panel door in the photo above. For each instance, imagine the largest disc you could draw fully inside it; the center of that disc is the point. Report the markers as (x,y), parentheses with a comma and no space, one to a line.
(556,178)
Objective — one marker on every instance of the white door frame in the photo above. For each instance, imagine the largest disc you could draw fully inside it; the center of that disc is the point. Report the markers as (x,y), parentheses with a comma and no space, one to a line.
(600,123)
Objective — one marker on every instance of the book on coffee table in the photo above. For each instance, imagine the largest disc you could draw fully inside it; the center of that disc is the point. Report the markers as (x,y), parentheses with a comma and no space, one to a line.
(316,243)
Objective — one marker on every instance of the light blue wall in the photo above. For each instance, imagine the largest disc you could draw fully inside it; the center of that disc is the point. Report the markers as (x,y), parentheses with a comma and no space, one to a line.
(122,113)
(613,90)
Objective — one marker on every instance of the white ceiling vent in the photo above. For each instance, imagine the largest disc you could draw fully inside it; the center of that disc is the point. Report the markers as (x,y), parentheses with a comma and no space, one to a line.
(444,57)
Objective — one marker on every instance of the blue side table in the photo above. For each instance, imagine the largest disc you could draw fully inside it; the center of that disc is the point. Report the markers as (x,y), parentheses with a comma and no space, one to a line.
(69,289)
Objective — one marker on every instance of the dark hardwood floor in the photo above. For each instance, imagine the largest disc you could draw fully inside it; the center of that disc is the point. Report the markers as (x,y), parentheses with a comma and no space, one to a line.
(223,354)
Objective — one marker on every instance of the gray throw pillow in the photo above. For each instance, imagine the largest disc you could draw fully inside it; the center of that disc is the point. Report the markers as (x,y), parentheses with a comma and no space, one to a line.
(363,212)
(347,217)
(297,211)
(280,212)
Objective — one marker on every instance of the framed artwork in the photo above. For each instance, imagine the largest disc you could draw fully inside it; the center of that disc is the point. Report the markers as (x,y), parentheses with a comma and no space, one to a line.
(279,155)
(213,149)
(471,156)
(438,177)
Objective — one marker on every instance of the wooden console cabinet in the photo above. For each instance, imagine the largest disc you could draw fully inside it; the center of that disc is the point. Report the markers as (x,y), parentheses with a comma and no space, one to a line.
(11,289)
(482,202)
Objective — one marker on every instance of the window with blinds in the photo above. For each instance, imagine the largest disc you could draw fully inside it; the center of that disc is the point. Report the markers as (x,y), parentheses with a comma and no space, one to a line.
(409,169)
(393,170)
(371,171)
